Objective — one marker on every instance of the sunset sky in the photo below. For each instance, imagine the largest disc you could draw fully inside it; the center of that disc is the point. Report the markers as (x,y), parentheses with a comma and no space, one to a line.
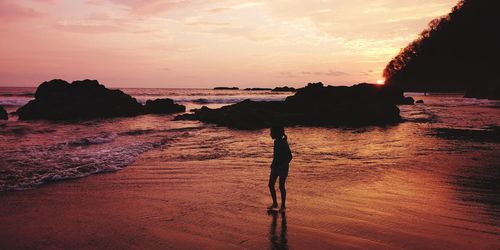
(168,43)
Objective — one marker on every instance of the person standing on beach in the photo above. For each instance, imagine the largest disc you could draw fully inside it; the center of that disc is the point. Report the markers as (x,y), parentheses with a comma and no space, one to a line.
(279,167)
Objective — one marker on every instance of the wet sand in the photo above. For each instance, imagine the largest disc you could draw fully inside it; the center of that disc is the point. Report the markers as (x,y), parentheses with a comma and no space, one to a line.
(218,204)
(151,206)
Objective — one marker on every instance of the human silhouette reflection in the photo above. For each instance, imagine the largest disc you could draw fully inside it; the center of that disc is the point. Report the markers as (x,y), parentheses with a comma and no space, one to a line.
(277,241)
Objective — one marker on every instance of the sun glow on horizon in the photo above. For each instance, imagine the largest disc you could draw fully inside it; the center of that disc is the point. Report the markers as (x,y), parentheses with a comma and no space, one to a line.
(381,81)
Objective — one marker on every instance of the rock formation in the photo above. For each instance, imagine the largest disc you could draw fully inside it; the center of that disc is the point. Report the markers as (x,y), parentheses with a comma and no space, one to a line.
(82,100)
(313,105)
(3,114)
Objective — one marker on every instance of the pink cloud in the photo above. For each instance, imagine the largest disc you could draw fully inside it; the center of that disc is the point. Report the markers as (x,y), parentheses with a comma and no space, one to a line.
(131,42)
(145,7)
(89,28)
(10,11)
(45,1)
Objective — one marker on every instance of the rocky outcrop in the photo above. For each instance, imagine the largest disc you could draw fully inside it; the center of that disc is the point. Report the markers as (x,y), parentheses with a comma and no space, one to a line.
(3,114)
(284,89)
(258,89)
(81,100)
(314,105)
(226,88)
(163,106)
(456,52)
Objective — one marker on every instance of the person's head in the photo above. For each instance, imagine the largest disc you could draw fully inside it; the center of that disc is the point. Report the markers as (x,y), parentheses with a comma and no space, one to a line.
(277,132)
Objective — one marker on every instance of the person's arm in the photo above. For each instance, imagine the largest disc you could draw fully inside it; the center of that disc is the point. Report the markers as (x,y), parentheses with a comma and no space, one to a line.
(288,152)
(273,163)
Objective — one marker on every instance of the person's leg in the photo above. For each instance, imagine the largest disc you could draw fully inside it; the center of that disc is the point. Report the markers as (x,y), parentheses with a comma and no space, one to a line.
(283,191)
(272,181)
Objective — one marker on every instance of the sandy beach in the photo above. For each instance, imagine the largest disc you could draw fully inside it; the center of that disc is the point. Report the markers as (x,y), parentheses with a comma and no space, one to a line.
(157,207)
(220,203)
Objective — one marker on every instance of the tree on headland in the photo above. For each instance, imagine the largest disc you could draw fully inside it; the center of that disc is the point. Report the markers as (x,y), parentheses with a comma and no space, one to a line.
(456,52)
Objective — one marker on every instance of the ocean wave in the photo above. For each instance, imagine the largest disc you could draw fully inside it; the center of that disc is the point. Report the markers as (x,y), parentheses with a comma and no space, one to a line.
(15,102)
(65,164)
(193,92)
(87,141)
(64,155)
(22,130)
(138,132)
(27,94)
(232,100)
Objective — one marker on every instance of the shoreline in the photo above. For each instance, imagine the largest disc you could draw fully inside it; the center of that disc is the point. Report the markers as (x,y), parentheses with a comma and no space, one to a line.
(104,211)
(152,204)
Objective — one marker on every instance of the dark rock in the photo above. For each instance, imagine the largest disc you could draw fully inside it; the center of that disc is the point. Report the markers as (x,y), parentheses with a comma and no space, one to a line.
(201,101)
(407,101)
(87,99)
(258,89)
(489,134)
(314,105)
(3,114)
(316,92)
(163,106)
(80,100)
(420,101)
(244,115)
(226,88)
(284,89)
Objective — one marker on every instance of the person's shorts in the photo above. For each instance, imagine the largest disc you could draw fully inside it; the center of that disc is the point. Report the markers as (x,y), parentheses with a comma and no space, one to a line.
(279,172)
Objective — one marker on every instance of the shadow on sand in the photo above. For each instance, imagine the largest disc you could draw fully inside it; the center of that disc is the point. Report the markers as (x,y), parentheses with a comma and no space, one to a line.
(277,241)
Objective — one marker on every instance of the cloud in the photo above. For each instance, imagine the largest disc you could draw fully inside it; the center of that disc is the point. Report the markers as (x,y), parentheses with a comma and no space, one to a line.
(290,74)
(45,1)
(326,73)
(11,11)
(260,41)
(88,28)
(146,7)
(287,74)
(208,23)
(356,19)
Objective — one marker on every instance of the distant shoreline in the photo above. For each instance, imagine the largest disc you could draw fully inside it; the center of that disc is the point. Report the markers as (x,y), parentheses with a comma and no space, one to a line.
(246,89)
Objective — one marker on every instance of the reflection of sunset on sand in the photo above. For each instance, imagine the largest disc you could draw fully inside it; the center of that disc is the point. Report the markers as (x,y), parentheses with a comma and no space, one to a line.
(404,188)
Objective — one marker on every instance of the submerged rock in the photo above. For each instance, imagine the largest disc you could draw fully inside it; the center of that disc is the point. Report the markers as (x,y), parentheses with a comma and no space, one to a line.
(81,100)
(257,89)
(201,101)
(284,89)
(488,134)
(3,114)
(163,106)
(314,105)
(226,88)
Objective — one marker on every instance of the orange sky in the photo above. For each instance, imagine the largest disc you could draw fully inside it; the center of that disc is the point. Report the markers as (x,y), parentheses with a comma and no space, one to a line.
(169,43)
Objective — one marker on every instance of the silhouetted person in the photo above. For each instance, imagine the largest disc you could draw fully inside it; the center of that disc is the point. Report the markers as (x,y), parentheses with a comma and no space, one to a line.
(281,241)
(279,167)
